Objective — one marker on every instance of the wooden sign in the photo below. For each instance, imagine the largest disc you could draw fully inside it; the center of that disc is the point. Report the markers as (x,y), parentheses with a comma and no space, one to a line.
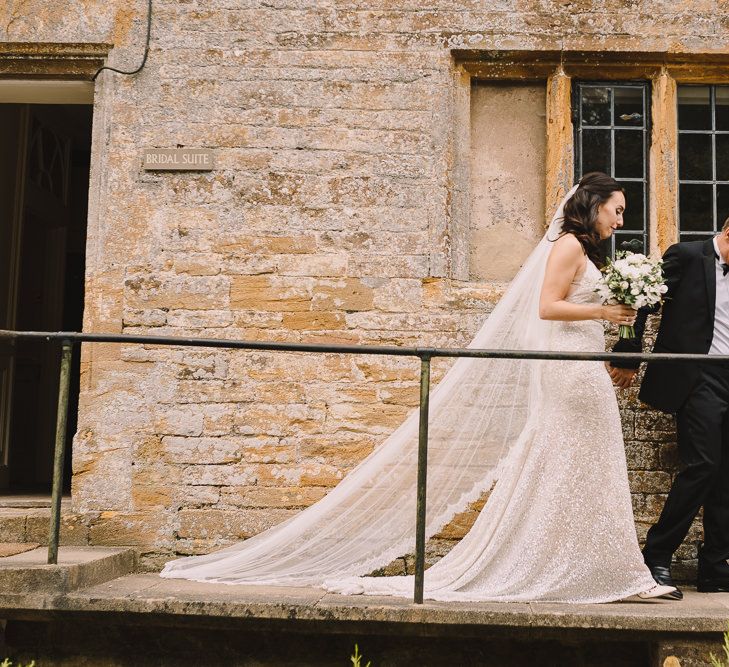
(178,159)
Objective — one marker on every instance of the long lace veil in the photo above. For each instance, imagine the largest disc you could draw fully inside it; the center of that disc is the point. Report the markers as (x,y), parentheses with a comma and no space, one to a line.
(478,412)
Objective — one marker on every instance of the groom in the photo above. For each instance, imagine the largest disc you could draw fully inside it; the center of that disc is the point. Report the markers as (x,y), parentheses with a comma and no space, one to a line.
(695,319)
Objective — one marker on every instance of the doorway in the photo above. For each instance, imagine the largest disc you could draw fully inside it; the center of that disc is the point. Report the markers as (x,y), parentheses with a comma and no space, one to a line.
(45,154)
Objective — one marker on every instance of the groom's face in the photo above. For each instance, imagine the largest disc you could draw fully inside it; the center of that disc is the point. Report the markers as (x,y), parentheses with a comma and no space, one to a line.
(723,243)
(610,215)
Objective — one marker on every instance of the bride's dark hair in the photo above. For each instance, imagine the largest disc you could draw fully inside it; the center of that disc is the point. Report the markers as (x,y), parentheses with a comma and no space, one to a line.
(581,209)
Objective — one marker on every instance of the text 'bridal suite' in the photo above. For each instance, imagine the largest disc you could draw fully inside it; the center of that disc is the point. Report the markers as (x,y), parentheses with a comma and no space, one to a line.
(558,525)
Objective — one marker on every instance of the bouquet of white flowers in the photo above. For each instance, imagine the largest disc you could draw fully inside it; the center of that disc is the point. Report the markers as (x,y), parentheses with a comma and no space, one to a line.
(634,280)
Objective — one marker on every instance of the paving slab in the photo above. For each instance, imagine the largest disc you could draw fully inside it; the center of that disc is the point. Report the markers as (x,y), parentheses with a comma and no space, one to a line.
(28,573)
(13,548)
(150,594)
(179,602)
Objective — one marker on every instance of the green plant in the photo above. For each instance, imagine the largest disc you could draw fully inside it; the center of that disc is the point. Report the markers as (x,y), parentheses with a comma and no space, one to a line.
(717,662)
(7,663)
(356,658)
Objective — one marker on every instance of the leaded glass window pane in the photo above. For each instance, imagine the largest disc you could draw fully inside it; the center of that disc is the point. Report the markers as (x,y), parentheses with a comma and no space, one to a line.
(611,135)
(703,160)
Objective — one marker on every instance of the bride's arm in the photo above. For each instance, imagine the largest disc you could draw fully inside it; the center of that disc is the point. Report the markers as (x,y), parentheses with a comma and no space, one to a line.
(565,260)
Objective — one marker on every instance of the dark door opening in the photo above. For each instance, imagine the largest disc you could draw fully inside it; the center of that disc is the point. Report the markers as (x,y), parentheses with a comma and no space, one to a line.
(44,180)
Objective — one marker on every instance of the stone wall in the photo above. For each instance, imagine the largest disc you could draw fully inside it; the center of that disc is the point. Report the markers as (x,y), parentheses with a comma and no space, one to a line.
(333,215)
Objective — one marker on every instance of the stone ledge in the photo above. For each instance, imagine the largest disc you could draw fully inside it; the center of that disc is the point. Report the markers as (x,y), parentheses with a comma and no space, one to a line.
(175,600)
(28,574)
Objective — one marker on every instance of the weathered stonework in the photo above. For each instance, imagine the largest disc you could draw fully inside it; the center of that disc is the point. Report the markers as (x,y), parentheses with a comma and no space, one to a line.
(335,214)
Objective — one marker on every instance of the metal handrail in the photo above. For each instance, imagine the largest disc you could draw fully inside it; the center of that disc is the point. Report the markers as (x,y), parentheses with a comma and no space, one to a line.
(425,354)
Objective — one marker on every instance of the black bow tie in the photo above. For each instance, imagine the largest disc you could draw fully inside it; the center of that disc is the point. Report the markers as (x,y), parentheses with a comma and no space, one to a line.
(724,267)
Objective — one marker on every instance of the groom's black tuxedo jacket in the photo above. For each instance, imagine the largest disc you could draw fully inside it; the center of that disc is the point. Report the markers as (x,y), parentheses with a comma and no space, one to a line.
(687,324)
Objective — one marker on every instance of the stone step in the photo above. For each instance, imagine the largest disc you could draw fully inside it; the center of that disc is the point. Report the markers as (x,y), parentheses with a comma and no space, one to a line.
(28,574)
(32,524)
(31,500)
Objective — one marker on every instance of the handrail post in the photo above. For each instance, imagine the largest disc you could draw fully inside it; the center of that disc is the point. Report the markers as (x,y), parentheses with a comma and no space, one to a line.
(422,479)
(59,453)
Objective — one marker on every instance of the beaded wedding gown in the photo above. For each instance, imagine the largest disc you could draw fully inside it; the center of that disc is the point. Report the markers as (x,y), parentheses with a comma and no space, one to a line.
(558,525)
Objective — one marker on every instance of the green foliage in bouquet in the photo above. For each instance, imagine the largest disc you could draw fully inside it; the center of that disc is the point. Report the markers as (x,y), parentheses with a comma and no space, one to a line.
(631,279)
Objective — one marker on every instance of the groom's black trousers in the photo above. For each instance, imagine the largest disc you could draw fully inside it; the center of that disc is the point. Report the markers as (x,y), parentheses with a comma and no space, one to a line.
(703,443)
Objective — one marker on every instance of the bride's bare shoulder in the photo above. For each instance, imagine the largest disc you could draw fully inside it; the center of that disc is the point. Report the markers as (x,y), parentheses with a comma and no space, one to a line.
(568,246)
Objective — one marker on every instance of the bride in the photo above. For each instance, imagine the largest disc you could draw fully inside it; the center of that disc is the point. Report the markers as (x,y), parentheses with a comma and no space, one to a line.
(558,524)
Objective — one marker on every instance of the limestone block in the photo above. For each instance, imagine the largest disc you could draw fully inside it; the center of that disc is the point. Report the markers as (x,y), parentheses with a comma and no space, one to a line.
(129,528)
(218,418)
(641,455)
(196,496)
(282,392)
(647,481)
(375,418)
(180,421)
(228,524)
(181,291)
(12,526)
(255,449)
(258,496)
(102,480)
(147,496)
(247,319)
(382,369)
(219,475)
(200,450)
(399,296)
(348,294)
(290,367)
(440,293)
(215,391)
(198,264)
(313,265)
(408,395)
(647,507)
(246,244)
(313,320)
(199,319)
(342,447)
(458,526)
(269,293)
(407,322)
(405,266)
(202,364)
(347,393)
(150,317)
(306,473)
(274,420)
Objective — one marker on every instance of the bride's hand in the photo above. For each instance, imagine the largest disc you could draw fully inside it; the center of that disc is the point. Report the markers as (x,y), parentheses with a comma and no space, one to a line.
(619,314)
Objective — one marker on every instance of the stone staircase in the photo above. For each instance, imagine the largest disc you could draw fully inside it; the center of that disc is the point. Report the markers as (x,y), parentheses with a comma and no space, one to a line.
(24,526)
(24,520)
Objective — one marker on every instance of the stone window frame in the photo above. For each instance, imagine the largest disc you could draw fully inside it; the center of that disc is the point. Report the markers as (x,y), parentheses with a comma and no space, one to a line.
(557,69)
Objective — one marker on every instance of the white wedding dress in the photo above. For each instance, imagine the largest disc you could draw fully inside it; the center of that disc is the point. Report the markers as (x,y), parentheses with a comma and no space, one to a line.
(558,525)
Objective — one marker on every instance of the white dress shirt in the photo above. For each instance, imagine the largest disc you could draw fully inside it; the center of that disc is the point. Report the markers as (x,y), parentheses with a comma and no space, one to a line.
(720,341)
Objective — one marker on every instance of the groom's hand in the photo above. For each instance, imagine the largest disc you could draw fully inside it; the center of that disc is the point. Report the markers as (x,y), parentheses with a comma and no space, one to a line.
(622,377)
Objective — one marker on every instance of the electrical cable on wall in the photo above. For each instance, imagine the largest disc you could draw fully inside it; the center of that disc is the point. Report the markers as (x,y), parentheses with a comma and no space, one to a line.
(146,48)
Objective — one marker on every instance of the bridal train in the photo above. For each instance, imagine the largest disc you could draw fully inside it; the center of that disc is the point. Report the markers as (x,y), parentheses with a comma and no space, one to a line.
(558,525)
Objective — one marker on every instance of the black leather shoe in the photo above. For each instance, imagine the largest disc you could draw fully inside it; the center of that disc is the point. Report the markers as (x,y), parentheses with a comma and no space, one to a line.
(713,578)
(662,576)
(712,585)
